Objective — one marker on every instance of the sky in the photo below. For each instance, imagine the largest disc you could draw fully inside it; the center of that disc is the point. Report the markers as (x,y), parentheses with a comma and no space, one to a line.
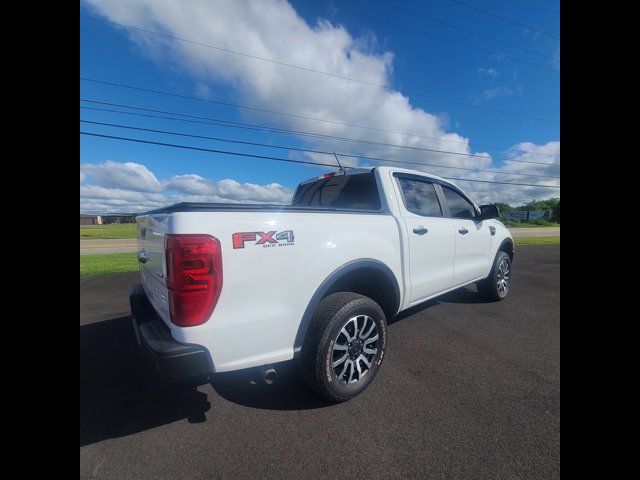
(450,86)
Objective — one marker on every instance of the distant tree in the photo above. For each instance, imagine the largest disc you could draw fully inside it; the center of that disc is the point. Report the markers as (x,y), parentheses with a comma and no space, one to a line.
(552,204)
(555,217)
(504,207)
(549,204)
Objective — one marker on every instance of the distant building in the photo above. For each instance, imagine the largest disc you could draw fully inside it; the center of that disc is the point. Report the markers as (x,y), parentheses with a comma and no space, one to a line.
(107,219)
(124,218)
(90,219)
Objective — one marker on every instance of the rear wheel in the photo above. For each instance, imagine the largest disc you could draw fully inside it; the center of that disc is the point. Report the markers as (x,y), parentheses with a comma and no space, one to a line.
(496,286)
(345,346)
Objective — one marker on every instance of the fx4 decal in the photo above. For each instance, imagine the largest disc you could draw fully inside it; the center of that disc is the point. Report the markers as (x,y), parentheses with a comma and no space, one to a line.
(266,239)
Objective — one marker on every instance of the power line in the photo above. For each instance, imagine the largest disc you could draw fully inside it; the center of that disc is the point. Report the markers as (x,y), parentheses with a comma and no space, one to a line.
(251,126)
(189,147)
(515,22)
(293,115)
(428,34)
(320,72)
(250,155)
(462,29)
(298,149)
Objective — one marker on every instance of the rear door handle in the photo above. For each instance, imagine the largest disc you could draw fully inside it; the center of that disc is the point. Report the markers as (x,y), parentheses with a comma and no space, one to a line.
(420,230)
(463,230)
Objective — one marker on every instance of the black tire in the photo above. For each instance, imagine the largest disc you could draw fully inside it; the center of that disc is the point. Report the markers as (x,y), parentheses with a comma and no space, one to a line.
(333,313)
(489,287)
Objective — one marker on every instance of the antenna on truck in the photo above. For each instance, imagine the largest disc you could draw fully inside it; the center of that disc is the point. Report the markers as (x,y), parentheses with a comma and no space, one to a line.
(338,160)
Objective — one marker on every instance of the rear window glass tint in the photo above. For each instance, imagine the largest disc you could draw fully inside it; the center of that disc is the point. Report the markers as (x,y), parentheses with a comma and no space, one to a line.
(358,191)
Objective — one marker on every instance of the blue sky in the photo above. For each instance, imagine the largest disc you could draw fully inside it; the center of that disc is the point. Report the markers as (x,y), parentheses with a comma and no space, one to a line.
(117,176)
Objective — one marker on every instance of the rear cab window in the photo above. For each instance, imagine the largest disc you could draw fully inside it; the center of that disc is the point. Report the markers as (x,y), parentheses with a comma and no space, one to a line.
(358,191)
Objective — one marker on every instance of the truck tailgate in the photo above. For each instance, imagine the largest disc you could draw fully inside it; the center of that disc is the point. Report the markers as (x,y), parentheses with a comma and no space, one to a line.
(151,244)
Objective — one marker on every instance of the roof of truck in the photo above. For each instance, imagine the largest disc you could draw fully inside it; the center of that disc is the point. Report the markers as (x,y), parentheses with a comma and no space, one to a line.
(353,171)
(346,171)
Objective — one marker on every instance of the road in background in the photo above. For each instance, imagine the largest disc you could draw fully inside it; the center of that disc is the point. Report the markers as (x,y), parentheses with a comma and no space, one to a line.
(535,232)
(468,390)
(128,245)
(108,245)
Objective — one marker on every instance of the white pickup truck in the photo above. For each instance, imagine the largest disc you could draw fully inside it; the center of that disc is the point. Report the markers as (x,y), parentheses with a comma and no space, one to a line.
(231,286)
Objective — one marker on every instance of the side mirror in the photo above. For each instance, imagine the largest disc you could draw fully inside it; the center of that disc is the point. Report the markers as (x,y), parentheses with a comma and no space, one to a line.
(489,211)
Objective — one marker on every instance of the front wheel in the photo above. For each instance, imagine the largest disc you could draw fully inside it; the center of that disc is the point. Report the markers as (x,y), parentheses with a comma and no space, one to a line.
(496,286)
(345,346)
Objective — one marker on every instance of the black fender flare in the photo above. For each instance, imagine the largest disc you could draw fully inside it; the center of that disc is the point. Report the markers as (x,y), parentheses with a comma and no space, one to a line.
(510,250)
(328,282)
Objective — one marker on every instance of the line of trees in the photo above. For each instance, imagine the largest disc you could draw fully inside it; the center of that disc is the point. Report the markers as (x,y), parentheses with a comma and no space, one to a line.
(552,204)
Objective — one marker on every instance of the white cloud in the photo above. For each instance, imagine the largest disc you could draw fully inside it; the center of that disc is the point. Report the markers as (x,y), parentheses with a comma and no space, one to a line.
(272,29)
(491,93)
(489,72)
(517,195)
(99,195)
(127,175)
(191,183)
(271,193)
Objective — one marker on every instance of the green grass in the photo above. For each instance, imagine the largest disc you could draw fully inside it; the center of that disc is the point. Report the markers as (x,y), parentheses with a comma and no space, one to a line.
(527,224)
(125,230)
(108,263)
(537,241)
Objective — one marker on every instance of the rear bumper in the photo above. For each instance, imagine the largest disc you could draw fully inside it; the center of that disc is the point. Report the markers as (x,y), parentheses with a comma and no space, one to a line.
(171,359)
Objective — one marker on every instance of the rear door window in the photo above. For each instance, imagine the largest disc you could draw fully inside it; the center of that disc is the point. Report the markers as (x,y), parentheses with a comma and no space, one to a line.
(420,197)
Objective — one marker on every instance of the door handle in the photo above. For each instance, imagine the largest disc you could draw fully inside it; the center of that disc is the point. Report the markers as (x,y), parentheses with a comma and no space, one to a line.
(420,230)
(463,230)
(143,256)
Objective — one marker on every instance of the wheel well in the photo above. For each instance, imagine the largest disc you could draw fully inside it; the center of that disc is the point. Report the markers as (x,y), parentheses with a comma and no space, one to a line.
(372,283)
(507,246)
(365,276)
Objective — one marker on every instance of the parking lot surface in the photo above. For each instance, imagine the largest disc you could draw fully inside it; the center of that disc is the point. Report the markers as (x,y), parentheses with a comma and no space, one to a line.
(467,390)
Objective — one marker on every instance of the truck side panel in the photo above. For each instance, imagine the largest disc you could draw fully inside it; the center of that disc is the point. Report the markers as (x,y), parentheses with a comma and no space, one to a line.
(269,276)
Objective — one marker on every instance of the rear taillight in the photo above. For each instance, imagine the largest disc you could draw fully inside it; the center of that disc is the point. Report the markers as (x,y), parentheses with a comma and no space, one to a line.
(194,277)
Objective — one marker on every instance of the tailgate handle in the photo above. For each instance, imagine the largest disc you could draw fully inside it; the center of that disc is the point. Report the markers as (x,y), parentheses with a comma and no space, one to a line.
(143,256)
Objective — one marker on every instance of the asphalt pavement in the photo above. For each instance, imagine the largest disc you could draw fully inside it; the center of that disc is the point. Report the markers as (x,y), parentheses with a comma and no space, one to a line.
(467,390)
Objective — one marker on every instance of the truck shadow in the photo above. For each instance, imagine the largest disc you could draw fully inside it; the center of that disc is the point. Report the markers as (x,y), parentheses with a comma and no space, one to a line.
(119,393)
(467,294)
(461,295)
(247,388)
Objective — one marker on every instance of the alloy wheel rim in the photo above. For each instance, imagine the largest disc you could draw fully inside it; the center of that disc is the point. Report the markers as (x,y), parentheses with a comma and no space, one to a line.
(502,283)
(354,349)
